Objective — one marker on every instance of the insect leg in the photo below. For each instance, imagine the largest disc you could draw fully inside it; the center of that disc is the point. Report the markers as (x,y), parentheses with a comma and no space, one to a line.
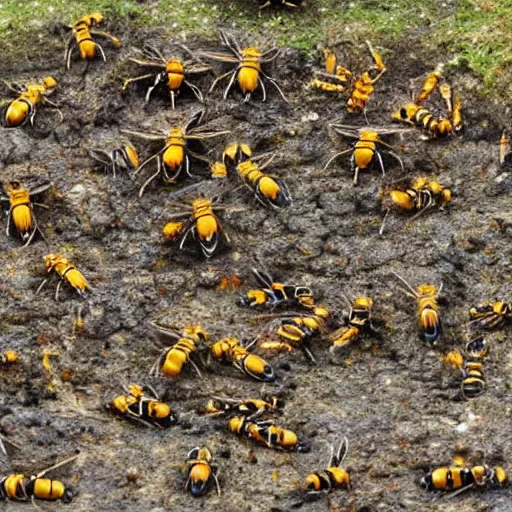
(151,178)
(219,78)
(230,84)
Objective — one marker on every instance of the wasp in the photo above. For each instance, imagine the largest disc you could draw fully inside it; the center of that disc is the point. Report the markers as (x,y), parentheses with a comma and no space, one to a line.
(269,191)
(429,321)
(279,3)
(21,209)
(367,148)
(266,433)
(175,154)
(18,487)
(333,476)
(275,294)
(124,158)
(460,478)
(24,107)
(201,471)
(235,153)
(9,357)
(67,272)
(490,315)
(473,382)
(251,408)
(231,351)
(422,195)
(203,225)
(295,331)
(359,318)
(82,38)
(171,361)
(175,71)
(248,72)
(136,405)
(421,117)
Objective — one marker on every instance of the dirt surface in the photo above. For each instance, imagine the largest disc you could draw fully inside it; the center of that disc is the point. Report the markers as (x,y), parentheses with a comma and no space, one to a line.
(391,397)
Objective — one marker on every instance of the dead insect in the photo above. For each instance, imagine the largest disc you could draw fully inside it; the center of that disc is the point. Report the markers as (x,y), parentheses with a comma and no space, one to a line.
(124,158)
(490,315)
(333,476)
(82,38)
(172,360)
(248,72)
(24,107)
(235,153)
(175,154)
(137,406)
(252,408)
(21,209)
(18,487)
(275,294)
(429,320)
(267,434)
(367,148)
(422,195)
(67,272)
(201,471)
(359,320)
(175,71)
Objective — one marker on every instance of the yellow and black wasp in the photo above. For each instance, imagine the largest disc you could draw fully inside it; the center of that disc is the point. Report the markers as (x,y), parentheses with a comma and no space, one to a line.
(274,294)
(24,107)
(267,434)
(429,321)
(172,360)
(175,155)
(294,331)
(251,408)
(248,72)
(82,38)
(422,195)
(201,472)
(333,476)
(174,72)
(336,78)
(367,148)
(415,114)
(359,319)
(269,190)
(124,158)
(138,406)
(461,477)
(203,225)
(231,351)
(18,487)
(21,209)
(490,315)
(473,379)
(67,273)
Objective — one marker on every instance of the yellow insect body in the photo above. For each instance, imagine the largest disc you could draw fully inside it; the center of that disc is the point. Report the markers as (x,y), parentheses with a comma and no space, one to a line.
(430,84)
(249,71)
(365,148)
(172,230)
(218,170)
(207,225)
(236,152)
(24,106)
(67,272)
(19,488)
(9,357)
(175,74)
(175,149)
(201,471)
(21,210)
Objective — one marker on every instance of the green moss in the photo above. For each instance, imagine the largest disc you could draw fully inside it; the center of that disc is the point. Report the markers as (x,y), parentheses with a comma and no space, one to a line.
(474,31)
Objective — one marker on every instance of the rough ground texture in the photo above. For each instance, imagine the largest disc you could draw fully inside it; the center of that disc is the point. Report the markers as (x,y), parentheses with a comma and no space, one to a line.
(391,397)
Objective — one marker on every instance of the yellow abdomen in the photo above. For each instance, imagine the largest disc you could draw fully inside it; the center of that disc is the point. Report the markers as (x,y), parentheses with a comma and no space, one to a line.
(47,489)
(363,154)
(77,280)
(86,46)
(22,218)
(175,153)
(174,361)
(16,113)
(268,187)
(206,227)
(175,74)
(12,483)
(248,76)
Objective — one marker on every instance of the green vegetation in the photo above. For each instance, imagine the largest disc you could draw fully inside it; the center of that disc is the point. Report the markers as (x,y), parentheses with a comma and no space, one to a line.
(475,31)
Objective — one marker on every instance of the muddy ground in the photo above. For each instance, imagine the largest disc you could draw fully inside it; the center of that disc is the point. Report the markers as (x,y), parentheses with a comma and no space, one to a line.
(391,396)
